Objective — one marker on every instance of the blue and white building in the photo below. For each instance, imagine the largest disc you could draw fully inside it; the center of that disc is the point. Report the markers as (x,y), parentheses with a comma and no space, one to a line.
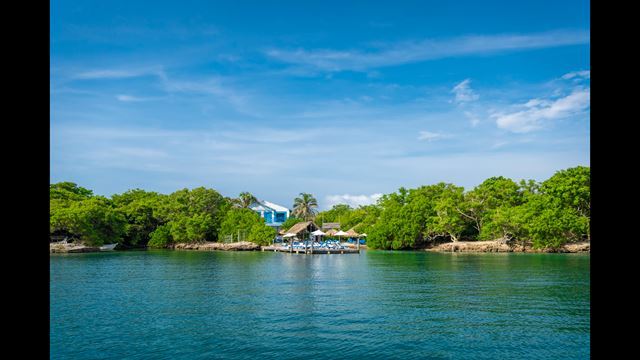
(273,214)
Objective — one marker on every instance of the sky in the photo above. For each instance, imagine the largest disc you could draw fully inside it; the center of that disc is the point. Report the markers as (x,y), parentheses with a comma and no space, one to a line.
(343,100)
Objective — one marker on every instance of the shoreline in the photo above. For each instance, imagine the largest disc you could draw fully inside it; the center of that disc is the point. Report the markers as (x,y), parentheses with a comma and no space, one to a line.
(459,246)
(500,246)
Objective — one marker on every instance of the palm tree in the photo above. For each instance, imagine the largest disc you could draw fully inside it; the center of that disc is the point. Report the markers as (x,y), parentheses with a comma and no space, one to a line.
(244,200)
(304,206)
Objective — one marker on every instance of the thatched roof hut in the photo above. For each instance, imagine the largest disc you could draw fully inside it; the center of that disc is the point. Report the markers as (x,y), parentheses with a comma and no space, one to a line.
(331,232)
(303,228)
(330,225)
(352,233)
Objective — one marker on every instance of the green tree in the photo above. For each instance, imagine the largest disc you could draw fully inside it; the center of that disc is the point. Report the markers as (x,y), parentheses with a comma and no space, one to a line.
(160,237)
(68,191)
(548,225)
(93,221)
(305,206)
(262,234)
(371,214)
(287,224)
(571,188)
(483,201)
(449,221)
(140,209)
(248,224)
(240,221)
(193,215)
(244,200)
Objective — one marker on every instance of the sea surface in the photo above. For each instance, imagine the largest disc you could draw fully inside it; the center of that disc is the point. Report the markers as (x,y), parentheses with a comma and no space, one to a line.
(164,304)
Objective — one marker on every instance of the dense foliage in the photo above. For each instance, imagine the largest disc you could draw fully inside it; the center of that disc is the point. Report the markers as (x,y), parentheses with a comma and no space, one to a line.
(546,214)
(248,224)
(287,224)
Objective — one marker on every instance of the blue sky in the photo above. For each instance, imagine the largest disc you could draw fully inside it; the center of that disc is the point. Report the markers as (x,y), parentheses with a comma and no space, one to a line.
(345,100)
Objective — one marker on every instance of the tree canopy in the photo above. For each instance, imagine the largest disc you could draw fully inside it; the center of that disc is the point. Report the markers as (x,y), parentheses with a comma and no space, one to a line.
(546,214)
(305,206)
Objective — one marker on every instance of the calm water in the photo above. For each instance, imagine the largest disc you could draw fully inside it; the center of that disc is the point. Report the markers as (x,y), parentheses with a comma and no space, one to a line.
(212,305)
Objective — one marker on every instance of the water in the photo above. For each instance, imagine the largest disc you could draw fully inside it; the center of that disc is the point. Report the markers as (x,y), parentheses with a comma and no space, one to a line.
(166,304)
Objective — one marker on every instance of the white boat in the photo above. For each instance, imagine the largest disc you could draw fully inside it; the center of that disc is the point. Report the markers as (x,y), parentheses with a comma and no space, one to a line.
(108,247)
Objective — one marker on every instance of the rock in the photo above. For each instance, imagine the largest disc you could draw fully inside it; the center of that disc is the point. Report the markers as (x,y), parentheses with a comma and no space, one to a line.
(71,248)
(500,245)
(208,246)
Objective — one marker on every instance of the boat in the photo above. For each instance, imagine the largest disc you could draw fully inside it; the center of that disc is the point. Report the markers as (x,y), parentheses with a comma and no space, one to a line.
(108,247)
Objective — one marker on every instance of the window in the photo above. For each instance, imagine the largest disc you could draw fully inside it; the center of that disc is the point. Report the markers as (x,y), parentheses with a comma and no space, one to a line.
(281,216)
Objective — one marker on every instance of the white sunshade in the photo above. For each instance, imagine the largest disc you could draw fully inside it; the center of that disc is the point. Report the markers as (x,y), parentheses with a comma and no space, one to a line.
(288,235)
(363,235)
(318,232)
(341,233)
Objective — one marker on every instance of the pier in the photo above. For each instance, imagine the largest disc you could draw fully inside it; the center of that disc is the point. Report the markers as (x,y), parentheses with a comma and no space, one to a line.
(309,251)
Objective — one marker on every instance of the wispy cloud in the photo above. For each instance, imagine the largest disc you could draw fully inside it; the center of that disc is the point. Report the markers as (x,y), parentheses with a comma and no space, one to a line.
(585,74)
(212,86)
(117,73)
(537,111)
(473,118)
(430,49)
(352,200)
(430,136)
(464,92)
(130,98)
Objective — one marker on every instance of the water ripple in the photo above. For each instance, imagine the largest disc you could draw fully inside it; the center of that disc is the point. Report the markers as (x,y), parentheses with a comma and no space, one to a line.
(378,305)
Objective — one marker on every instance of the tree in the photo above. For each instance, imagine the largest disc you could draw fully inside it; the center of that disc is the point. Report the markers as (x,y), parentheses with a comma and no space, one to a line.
(449,221)
(140,209)
(244,200)
(482,202)
(193,215)
(371,214)
(68,191)
(248,223)
(549,225)
(262,234)
(287,224)
(239,220)
(305,206)
(572,188)
(160,237)
(93,221)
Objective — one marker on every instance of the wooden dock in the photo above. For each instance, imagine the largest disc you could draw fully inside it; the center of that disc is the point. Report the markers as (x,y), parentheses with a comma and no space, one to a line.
(308,251)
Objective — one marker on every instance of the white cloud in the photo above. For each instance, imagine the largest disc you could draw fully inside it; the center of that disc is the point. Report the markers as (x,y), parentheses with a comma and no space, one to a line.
(430,136)
(129,98)
(429,49)
(119,74)
(107,74)
(352,200)
(540,110)
(585,74)
(464,92)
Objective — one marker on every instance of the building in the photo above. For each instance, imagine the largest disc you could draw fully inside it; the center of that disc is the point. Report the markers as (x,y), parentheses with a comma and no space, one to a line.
(273,214)
(330,225)
(303,229)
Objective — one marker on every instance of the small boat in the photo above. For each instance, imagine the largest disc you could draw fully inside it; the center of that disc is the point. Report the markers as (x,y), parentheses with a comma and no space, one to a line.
(108,247)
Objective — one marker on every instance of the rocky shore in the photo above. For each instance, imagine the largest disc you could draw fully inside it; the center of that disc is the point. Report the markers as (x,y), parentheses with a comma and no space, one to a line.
(238,246)
(71,248)
(501,246)
(460,246)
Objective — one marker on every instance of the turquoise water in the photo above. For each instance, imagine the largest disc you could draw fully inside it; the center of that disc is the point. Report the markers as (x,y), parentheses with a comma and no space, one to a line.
(167,304)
